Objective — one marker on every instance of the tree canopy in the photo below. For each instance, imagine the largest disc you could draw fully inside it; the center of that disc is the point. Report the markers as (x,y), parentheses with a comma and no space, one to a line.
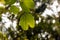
(26,21)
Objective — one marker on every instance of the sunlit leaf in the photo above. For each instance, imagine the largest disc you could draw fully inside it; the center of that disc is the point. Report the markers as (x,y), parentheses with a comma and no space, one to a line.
(10,1)
(2,1)
(14,9)
(24,8)
(28,3)
(27,20)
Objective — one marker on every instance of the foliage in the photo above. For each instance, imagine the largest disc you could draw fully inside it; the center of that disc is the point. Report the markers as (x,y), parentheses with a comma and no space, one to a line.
(14,9)
(26,27)
(27,20)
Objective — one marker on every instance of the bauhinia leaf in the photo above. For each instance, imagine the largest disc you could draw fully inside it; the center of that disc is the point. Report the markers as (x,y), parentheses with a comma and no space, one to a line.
(27,20)
(28,3)
(10,1)
(2,1)
(24,8)
(14,9)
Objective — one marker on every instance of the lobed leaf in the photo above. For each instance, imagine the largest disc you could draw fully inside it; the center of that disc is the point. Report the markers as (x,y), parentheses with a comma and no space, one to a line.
(27,20)
(14,9)
(10,1)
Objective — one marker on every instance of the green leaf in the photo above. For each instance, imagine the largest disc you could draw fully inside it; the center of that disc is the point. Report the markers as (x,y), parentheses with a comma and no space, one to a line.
(14,9)
(28,3)
(10,1)
(2,1)
(27,20)
(1,10)
(24,8)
